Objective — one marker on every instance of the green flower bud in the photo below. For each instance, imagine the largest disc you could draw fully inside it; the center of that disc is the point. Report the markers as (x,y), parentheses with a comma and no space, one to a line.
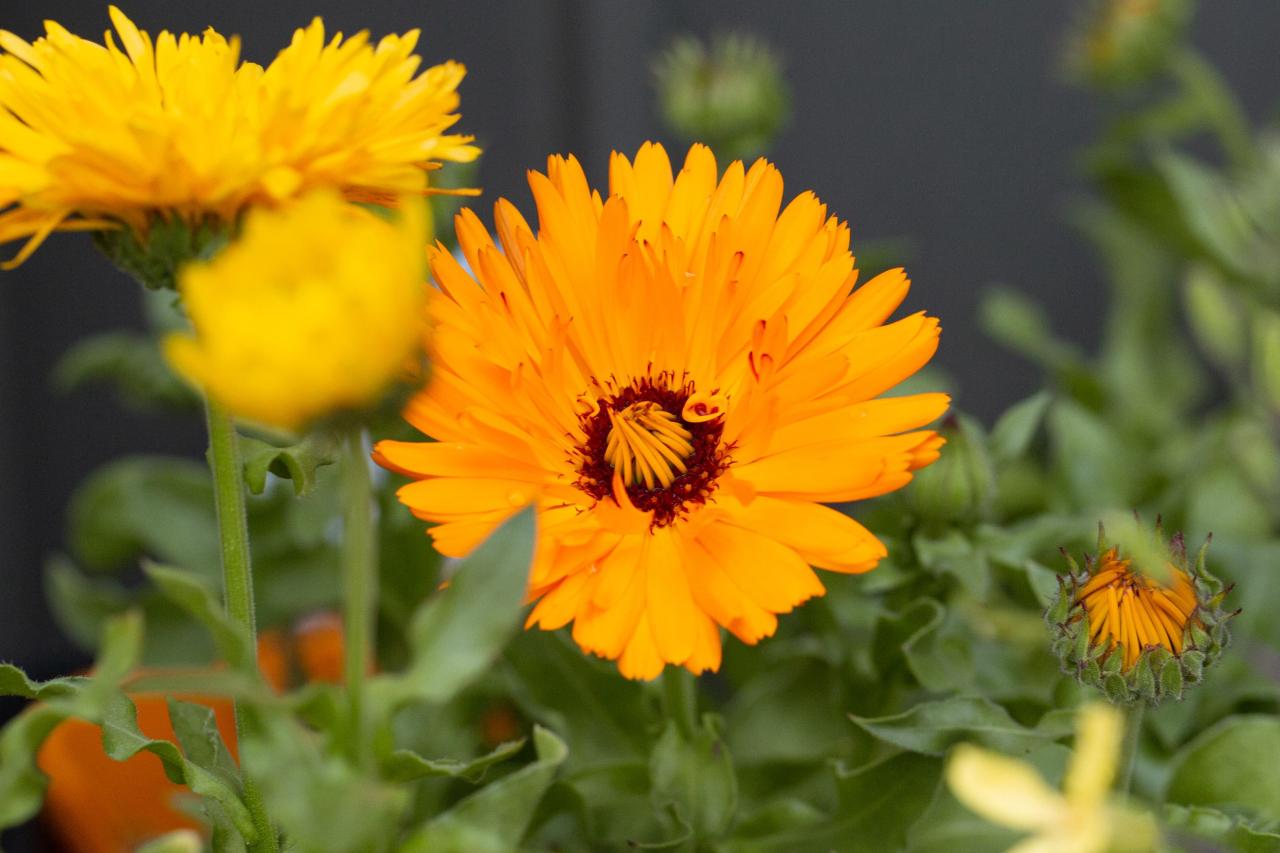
(958,487)
(731,96)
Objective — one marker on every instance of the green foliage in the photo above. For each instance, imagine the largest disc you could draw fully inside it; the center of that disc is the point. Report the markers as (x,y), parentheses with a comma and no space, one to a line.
(155,258)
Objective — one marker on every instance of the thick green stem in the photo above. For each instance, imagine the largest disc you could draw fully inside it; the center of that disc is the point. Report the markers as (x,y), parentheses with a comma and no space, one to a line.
(680,697)
(360,578)
(1129,746)
(237,580)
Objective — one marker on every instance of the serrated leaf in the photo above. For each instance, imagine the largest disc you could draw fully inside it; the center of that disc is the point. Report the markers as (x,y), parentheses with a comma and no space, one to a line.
(22,784)
(1013,432)
(195,598)
(295,462)
(122,739)
(404,765)
(932,728)
(494,819)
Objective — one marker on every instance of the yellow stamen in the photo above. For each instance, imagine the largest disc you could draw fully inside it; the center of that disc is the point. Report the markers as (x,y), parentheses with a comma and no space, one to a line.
(647,445)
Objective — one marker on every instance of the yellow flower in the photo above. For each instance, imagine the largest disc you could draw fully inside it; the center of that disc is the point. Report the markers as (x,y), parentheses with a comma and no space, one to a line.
(92,135)
(1131,609)
(679,376)
(1012,793)
(317,308)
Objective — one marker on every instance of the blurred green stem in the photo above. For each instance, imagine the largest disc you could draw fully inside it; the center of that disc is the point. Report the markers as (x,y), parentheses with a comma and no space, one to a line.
(680,699)
(1129,746)
(359,564)
(237,580)
(1221,110)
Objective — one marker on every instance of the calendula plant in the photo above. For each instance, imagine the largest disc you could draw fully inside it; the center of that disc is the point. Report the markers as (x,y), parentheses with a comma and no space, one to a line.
(637,423)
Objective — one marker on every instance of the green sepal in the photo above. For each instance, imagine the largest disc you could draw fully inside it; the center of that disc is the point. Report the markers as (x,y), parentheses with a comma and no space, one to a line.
(154,260)
(1171,679)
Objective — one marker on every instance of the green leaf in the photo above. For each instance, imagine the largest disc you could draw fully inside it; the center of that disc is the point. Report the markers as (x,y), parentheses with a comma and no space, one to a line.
(955,555)
(788,712)
(148,505)
(933,727)
(1214,825)
(22,783)
(1013,432)
(405,765)
(934,651)
(191,594)
(878,805)
(122,739)
(296,462)
(603,716)
(495,817)
(696,778)
(1090,457)
(1232,765)
(196,727)
(457,633)
(1210,209)
(129,361)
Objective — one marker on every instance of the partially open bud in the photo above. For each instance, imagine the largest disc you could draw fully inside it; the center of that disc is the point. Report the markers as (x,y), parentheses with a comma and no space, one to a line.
(1132,634)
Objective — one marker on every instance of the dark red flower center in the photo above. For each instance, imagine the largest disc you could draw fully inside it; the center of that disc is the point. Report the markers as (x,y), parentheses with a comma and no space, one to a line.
(662,438)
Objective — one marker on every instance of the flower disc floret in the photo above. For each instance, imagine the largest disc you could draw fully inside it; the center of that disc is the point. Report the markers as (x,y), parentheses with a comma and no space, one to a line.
(316,309)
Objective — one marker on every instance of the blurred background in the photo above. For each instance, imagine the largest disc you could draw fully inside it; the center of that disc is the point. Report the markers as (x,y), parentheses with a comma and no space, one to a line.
(943,132)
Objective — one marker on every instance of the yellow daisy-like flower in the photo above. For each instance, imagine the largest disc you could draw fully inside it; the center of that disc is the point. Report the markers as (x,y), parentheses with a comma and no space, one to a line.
(1131,609)
(1012,793)
(317,308)
(94,135)
(678,376)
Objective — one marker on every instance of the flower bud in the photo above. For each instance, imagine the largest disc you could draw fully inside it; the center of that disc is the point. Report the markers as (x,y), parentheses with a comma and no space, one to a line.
(1122,43)
(959,486)
(1135,635)
(731,96)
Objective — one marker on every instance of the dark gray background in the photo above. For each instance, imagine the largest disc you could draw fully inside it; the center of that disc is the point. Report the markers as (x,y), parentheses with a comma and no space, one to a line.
(945,122)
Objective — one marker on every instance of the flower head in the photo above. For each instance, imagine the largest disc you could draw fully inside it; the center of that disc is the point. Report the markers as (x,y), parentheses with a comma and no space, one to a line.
(97,135)
(1134,635)
(1012,793)
(679,376)
(316,309)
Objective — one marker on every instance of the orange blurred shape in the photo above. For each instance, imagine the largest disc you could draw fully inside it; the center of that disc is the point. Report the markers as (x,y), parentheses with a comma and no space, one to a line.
(97,805)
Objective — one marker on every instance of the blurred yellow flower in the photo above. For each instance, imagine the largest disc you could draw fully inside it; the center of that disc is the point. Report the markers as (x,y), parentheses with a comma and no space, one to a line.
(680,373)
(317,308)
(1012,793)
(93,135)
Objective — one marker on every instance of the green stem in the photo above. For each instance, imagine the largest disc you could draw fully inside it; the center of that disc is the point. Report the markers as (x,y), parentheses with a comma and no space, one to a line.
(360,578)
(237,581)
(1129,746)
(680,698)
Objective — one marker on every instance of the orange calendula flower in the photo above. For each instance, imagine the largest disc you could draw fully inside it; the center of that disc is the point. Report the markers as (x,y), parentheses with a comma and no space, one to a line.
(95,135)
(679,376)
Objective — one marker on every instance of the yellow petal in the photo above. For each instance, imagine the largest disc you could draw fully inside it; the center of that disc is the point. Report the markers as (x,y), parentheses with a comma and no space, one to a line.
(1003,790)
(1093,764)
